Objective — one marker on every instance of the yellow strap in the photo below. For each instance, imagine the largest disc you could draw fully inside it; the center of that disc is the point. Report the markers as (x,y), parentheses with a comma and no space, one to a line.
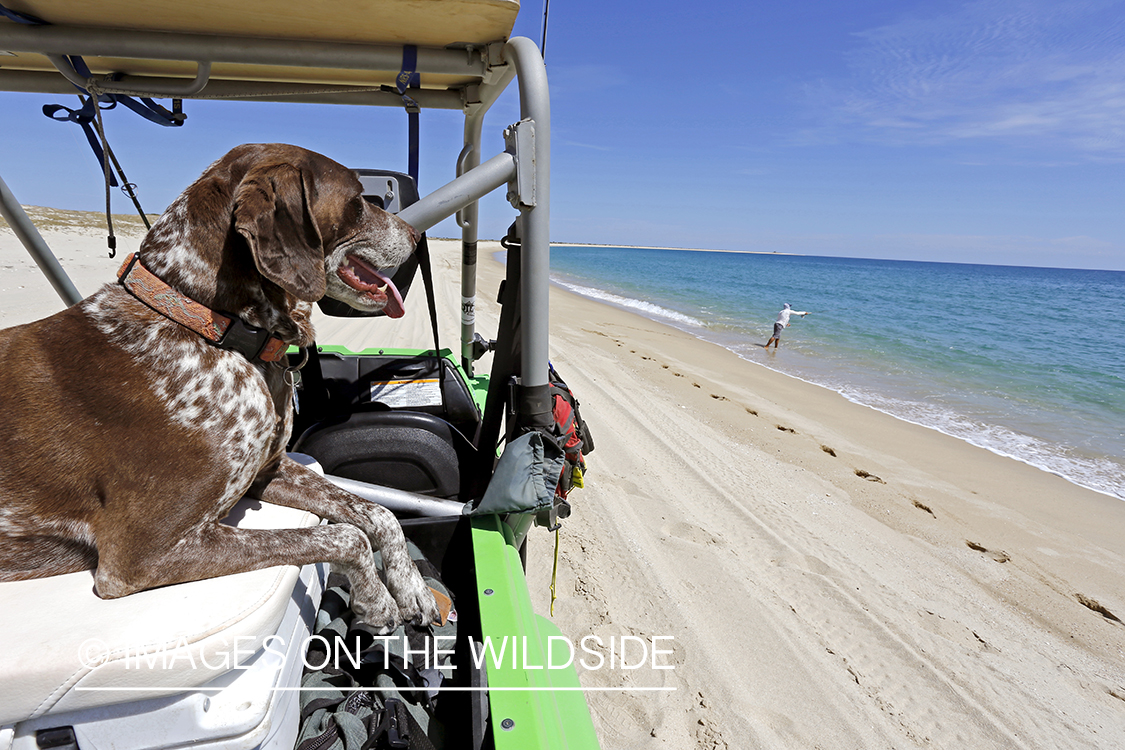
(555,572)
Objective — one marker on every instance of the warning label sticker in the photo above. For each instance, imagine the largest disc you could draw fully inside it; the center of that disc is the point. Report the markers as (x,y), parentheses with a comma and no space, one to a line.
(405,393)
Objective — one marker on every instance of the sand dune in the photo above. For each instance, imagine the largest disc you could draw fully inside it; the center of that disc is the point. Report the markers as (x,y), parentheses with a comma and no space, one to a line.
(830,577)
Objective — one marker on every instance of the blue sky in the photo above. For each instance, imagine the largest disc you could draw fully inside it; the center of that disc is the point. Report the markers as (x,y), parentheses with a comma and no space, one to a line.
(986,131)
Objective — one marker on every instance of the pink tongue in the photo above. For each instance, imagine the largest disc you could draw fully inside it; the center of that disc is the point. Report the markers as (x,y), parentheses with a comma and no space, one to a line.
(364,278)
(394,308)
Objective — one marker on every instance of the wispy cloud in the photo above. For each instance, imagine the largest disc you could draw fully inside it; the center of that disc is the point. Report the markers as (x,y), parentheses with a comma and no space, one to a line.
(583,79)
(592,146)
(1034,74)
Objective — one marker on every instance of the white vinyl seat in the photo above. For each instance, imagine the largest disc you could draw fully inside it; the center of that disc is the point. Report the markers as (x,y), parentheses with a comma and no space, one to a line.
(65,649)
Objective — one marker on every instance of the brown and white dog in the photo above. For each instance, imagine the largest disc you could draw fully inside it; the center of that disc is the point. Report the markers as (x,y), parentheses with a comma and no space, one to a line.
(126,436)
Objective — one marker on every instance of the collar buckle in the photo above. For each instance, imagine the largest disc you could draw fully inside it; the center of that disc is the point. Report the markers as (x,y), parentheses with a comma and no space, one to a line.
(243,337)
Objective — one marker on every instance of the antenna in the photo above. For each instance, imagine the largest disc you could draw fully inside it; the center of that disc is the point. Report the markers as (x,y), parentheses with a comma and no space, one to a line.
(543,39)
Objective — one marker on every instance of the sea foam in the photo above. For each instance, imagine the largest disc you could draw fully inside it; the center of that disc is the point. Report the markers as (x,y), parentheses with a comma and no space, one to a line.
(647,308)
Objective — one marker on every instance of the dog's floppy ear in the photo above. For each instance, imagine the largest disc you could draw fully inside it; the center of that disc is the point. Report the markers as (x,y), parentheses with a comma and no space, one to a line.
(272,212)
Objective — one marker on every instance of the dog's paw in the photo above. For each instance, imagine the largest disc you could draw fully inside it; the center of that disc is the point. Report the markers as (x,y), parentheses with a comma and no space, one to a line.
(376,609)
(415,600)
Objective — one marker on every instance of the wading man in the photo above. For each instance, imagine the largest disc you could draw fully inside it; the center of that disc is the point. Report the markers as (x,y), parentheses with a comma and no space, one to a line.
(782,322)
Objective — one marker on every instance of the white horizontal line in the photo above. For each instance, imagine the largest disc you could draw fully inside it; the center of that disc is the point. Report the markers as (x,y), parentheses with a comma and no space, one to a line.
(387,689)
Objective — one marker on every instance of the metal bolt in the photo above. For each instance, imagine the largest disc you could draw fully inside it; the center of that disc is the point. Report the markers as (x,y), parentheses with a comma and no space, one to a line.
(489,592)
(507,725)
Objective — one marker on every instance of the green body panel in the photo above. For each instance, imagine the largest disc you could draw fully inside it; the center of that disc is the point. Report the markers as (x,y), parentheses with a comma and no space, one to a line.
(553,712)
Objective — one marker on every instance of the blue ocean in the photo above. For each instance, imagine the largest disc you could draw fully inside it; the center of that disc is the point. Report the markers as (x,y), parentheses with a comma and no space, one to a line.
(1026,362)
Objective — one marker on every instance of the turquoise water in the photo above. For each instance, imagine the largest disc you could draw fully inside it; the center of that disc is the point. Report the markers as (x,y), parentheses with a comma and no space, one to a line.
(1026,362)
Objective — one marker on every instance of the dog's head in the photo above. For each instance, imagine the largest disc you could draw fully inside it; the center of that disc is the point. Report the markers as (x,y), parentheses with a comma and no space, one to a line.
(312,233)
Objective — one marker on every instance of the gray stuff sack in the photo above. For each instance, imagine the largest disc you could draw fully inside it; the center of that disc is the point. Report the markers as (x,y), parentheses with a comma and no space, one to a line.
(364,693)
(525,478)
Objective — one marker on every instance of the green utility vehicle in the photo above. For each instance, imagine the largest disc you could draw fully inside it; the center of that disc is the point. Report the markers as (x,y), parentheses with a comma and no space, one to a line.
(466,459)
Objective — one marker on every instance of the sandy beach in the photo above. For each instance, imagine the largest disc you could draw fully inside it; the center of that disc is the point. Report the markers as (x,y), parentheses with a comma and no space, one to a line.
(830,577)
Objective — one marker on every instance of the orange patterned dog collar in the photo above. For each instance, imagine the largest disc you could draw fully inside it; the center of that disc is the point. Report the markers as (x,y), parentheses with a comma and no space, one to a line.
(221,329)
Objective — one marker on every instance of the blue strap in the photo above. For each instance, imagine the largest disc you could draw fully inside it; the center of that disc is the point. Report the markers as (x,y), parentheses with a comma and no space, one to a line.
(24,18)
(146,107)
(151,111)
(412,162)
(79,65)
(407,78)
(84,118)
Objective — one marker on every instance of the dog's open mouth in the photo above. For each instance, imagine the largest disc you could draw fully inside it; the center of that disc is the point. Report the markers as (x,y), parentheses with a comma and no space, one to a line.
(371,283)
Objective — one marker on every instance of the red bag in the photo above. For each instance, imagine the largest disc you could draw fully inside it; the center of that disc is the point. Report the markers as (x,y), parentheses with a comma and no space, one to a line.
(572,435)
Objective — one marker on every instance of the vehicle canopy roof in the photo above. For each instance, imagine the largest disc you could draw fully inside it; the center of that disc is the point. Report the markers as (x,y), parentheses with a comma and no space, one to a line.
(434,24)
